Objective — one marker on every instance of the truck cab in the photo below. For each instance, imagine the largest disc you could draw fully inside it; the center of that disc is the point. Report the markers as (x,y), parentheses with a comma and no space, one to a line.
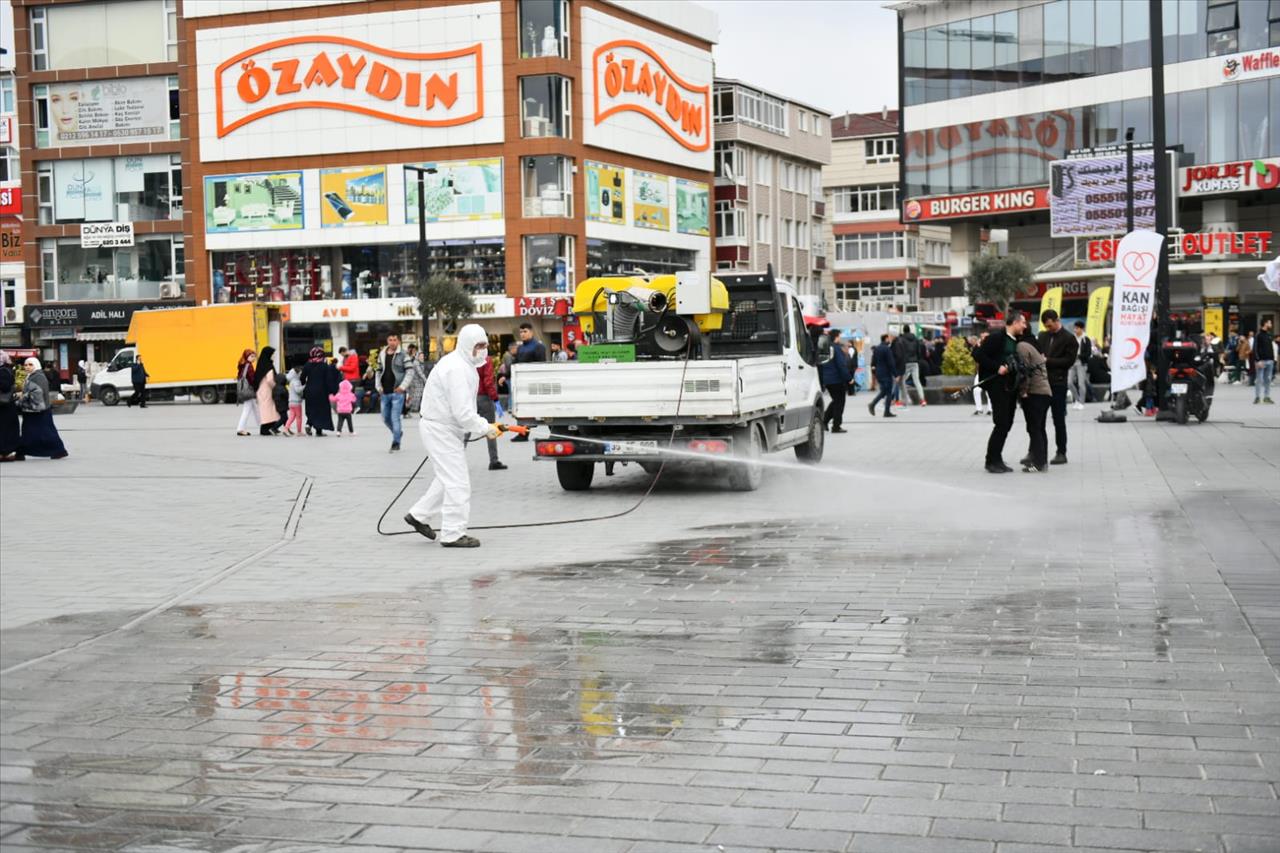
(115,381)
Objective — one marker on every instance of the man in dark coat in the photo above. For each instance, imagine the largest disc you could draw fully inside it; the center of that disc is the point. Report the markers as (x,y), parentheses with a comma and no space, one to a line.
(836,377)
(994,374)
(883,365)
(1060,349)
(138,377)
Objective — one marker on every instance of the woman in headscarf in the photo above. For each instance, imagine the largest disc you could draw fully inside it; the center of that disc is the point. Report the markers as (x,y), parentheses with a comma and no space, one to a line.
(319,380)
(10,429)
(39,435)
(264,385)
(246,395)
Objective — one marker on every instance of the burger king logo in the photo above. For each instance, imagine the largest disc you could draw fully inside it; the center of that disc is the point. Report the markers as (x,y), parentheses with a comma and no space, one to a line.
(913,209)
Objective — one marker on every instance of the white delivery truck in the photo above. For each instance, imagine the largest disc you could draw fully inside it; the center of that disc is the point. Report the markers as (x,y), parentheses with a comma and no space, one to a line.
(728,374)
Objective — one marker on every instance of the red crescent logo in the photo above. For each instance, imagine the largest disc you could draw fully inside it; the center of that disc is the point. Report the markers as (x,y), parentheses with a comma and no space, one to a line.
(1137,348)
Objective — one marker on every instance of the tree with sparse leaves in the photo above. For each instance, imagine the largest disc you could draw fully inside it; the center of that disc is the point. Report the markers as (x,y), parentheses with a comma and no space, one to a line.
(445,299)
(999,280)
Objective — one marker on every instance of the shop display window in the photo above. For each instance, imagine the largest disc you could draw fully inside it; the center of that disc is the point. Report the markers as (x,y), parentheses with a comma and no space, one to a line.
(354,272)
(544,28)
(609,257)
(548,260)
(145,270)
(545,103)
(138,188)
(92,35)
(547,185)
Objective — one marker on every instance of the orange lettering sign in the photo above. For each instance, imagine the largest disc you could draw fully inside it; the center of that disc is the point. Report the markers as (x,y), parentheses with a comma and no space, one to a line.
(629,76)
(334,73)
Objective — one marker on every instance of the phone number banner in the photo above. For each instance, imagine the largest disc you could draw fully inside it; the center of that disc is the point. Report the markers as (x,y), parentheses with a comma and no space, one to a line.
(1088,197)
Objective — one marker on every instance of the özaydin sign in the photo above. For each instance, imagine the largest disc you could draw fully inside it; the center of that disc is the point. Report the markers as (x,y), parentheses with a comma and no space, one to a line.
(1137,260)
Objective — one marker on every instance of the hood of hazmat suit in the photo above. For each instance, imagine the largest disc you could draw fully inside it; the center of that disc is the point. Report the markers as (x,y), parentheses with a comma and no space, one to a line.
(449,398)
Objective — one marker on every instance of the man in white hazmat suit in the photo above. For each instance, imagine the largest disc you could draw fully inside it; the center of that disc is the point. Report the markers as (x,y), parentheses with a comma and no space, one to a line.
(448,416)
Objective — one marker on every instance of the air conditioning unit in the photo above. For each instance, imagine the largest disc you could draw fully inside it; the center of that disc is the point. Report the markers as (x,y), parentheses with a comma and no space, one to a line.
(170,290)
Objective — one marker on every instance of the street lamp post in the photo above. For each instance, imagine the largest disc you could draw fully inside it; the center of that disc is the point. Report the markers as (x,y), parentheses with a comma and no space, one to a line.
(1163,194)
(421,172)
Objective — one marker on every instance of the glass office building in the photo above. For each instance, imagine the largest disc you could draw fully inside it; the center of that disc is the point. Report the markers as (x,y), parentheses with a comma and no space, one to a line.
(991,100)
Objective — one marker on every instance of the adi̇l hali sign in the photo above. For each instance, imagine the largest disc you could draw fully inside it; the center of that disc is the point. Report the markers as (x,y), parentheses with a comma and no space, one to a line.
(1137,261)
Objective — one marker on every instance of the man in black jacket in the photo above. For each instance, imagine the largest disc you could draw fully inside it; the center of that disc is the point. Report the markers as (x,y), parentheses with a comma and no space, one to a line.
(1264,360)
(993,371)
(1059,348)
(138,377)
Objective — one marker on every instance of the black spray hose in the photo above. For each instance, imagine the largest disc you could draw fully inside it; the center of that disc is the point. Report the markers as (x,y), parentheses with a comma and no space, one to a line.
(635,506)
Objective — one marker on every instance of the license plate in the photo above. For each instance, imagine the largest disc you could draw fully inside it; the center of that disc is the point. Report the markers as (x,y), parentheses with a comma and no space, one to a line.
(1178,388)
(625,448)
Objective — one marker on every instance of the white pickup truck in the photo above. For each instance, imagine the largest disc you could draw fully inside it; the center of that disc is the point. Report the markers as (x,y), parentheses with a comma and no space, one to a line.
(757,392)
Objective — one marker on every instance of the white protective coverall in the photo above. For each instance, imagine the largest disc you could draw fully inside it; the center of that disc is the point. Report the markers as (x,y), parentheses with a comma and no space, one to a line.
(448,415)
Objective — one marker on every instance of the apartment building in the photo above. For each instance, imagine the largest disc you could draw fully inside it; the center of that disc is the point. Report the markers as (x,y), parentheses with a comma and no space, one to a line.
(876,262)
(769,156)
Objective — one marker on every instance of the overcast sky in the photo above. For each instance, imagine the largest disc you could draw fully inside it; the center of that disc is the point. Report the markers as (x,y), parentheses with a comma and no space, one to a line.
(838,55)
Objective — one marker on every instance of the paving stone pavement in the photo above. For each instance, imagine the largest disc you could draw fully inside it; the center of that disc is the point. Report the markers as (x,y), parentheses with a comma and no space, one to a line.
(207,647)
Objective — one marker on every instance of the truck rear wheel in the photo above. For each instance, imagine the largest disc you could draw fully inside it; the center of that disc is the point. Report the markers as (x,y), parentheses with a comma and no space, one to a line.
(109,396)
(746,472)
(575,476)
(208,396)
(811,450)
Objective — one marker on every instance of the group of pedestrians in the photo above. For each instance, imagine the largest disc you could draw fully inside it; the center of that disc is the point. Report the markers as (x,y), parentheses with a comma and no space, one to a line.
(895,361)
(26,413)
(1019,370)
(1251,358)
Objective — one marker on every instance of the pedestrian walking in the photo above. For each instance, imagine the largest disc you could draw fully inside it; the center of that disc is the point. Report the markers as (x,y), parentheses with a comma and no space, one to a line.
(391,382)
(1078,377)
(345,403)
(981,399)
(293,382)
(1242,350)
(319,380)
(836,377)
(448,416)
(994,368)
(1036,394)
(1264,364)
(883,366)
(529,351)
(906,353)
(558,353)
(415,379)
(82,378)
(264,386)
(1060,350)
(10,426)
(246,394)
(486,407)
(39,434)
(138,377)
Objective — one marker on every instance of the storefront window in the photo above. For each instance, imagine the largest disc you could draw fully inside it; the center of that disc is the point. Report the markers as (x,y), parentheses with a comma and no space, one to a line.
(92,35)
(982,37)
(1222,124)
(606,257)
(959,59)
(1191,33)
(1110,35)
(355,272)
(142,271)
(1136,52)
(1137,114)
(548,260)
(913,66)
(544,106)
(1082,36)
(1192,125)
(1006,46)
(1031,45)
(1222,24)
(1056,48)
(936,63)
(127,189)
(544,28)
(547,186)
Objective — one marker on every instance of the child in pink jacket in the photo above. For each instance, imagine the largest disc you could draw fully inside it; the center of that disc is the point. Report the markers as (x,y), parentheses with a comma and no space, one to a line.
(345,403)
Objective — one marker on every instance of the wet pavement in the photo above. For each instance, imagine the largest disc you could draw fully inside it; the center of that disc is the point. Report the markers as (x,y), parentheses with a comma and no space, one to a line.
(215,651)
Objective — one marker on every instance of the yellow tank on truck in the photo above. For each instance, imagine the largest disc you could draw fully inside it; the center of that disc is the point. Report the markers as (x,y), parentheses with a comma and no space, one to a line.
(197,345)
(591,298)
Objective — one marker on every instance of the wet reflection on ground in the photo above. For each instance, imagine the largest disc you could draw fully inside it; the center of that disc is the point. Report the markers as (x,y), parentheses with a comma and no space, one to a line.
(701,672)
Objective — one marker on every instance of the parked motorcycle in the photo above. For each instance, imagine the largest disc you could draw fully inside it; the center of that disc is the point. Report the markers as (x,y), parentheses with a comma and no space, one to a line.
(1190,380)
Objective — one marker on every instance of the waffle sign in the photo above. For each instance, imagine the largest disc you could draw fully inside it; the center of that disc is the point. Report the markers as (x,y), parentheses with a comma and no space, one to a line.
(338,73)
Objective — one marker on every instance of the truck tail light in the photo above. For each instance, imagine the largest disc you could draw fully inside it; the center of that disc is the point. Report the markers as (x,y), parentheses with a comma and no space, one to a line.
(555,448)
(709,446)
